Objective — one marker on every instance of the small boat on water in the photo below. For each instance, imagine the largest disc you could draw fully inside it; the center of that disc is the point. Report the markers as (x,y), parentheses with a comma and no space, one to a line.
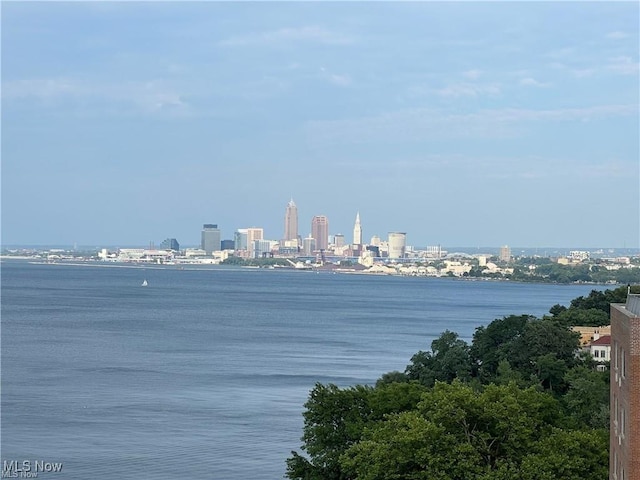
(144,283)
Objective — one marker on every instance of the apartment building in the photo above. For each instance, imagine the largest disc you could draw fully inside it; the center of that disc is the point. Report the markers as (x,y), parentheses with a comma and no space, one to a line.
(624,461)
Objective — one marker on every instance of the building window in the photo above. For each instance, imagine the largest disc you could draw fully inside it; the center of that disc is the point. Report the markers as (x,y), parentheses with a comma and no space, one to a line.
(623,362)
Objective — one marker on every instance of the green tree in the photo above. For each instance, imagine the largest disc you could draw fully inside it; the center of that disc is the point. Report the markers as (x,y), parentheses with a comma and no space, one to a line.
(568,455)
(490,344)
(333,420)
(448,360)
(545,348)
(587,397)
(336,418)
(456,433)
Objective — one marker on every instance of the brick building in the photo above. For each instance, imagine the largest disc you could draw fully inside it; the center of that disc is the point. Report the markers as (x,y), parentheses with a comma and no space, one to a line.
(624,460)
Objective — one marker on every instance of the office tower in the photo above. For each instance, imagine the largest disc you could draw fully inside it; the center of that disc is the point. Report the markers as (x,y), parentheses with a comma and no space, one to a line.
(338,240)
(227,245)
(308,245)
(261,249)
(240,240)
(320,231)
(170,244)
(505,253)
(624,440)
(291,222)
(397,244)
(357,231)
(253,234)
(210,239)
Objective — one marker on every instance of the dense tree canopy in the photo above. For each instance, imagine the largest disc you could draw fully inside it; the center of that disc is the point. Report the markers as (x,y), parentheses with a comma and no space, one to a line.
(518,402)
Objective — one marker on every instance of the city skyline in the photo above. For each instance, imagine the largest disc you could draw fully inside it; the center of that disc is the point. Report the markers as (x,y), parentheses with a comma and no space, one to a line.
(460,123)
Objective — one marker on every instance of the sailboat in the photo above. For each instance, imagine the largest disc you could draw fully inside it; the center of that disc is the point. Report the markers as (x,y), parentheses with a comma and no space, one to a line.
(144,283)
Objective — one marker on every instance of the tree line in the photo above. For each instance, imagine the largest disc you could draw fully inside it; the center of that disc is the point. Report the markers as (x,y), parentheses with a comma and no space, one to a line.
(519,401)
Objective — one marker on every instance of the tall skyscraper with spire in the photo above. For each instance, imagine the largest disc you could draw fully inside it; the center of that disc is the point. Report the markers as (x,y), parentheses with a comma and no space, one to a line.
(357,231)
(291,222)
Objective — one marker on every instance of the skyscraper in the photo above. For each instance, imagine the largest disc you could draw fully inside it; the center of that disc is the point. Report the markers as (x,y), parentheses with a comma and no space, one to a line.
(320,231)
(253,234)
(357,231)
(505,253)
(291,221)
(210,238)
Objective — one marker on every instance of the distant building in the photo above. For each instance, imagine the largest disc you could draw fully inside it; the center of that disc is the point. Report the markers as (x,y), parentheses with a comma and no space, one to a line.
(357,231)
(338,240)
(320,231)
(291,222)
(253,234)
(170,244)
(397,244)
(624,459)
(308,245)
(600,349)
(210,238)
(227,245)
(240,240)
(589,334)
(261,248)
(505,253)
(579,255)
(374,249)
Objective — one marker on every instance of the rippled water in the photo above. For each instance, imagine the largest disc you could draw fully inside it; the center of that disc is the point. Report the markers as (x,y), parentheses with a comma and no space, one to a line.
(203,373)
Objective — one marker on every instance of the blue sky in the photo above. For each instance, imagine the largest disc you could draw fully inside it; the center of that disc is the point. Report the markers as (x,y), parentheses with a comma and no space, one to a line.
(458,123)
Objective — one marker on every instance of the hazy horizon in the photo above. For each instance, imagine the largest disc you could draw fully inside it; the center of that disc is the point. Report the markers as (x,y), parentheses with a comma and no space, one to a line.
(458,122)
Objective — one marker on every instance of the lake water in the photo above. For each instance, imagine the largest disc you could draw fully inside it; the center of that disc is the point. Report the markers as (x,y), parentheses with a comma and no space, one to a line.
(203,373)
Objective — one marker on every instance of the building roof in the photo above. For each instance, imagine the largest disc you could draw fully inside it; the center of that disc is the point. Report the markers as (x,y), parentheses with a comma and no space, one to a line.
(603,341)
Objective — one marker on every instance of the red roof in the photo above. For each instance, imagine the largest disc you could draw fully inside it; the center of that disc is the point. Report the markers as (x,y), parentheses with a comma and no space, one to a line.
(604,340)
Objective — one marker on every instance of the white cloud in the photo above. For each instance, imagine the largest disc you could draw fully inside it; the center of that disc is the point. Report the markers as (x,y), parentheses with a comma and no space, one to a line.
(532,82)
(623,65)
(472,74)
(617,35)
(422,123)
(147,96)
(287,36)
(468,90)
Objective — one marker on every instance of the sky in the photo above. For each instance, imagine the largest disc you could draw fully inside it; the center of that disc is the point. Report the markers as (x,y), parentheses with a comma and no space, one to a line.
(459,123)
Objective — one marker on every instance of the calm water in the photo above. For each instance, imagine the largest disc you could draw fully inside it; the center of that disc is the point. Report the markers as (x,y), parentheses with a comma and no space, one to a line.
(203,373)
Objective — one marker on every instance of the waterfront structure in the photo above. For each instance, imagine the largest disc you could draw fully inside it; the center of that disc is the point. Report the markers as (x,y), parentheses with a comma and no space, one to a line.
(357,231)
(291,222)
(397,244)
(170,244)
(210,238)
(320,231)
(624,442)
